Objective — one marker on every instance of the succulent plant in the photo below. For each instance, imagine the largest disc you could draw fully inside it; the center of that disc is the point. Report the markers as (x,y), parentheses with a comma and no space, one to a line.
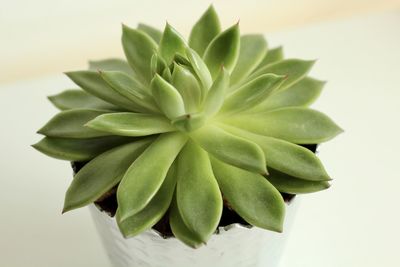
(181,128)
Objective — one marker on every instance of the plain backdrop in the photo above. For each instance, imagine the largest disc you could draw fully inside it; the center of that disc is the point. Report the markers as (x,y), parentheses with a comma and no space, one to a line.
(355,223)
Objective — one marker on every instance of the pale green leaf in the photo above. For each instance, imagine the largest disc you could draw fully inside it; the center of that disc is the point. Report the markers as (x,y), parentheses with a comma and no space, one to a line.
(111,64)
(171,43)
(273,55)
(145,176)
(71,124)
(200,68)
(131,124)
(205,29)
(154,33)
(253,48)
(197,192)
(230,149)
(102,173)
(223,51)
(251,195)
(216,95)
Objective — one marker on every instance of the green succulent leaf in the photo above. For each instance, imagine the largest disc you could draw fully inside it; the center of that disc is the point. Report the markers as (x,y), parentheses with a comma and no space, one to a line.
(230,148)
(153,212)
(167,97)
(252,93)
(204,31)
(273,55)
(71,124)
(179,228)
(197,192)
(189,122)
(112,64)
(200,68)
(131,124)
(294,124)
(301,94)
(223,51)
(78,149)
(292,185)
(253,48)
(98,176)
(171,43)
(294,69)
(76,98)
(158,64)
(93,83)
(251,195)
(138,48)
(186,84)
(142,180)
(154,33)
(216,95)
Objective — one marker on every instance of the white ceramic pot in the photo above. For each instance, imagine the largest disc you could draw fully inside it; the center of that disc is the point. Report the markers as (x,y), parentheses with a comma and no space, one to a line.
(231,246)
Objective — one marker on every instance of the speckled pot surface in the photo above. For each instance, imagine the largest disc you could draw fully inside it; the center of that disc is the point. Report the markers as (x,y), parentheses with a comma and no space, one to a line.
(232,246)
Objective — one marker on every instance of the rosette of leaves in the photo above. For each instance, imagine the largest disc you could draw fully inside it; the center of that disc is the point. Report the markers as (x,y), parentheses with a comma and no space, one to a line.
(182,127)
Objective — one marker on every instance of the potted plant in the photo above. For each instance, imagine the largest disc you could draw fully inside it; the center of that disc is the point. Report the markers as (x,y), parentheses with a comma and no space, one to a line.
(192,144)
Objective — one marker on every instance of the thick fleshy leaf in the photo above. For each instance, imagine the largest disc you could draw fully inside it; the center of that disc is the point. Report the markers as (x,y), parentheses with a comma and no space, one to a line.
(131,124)
(128,87)
(171,43)
(189,122)
(253,48)
(272,56)
(150,31)
(230,149)
(112,64)
(251,195)
(223,51)
(98,176)
(78,149)
(205,29)
(153,212)
(167,97)
(197,192)
(145,176)
(294,69)
(93,83)
(138,48)
(301,94)
(187,85)
(180,230)
(293,124)
(76,98)
(158,64)
(216,95)
(252,93)
(286,157)
(292,185)
(71,124)
(200,68)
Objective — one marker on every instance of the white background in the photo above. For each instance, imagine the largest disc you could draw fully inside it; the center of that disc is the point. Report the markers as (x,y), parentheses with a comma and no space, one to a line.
(355,223)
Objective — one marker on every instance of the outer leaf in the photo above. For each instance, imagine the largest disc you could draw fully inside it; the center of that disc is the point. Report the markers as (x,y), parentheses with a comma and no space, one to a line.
(296,125)
(154,33)
(253,48)
(70,124)
(251,196)
(294,69)
(216,95)
(171,43)
(78,149)
(230,149)
(200,68)
(180,230)
(167,97)
(289,184)
(205,29)
(198,196)
(252,93)
(286,157)
(138,48)
(94,84)
(76,98)
(273,55)
(223,51)
(112,64)
(131,124)
(153,212)
(145,176)
(98,176)
(303,93)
